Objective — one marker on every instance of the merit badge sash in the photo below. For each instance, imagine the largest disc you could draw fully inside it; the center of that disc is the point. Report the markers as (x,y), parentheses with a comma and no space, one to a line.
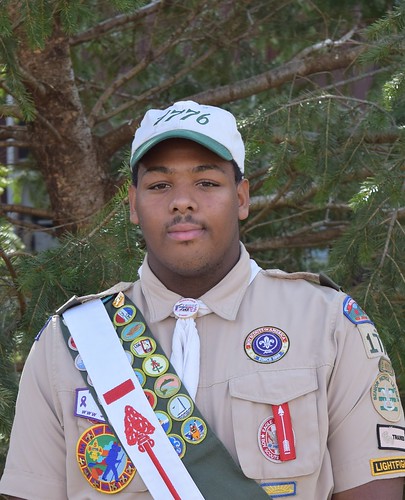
(147,406)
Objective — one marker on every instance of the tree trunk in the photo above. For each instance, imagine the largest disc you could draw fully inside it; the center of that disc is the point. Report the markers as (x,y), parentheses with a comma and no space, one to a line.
(65,151)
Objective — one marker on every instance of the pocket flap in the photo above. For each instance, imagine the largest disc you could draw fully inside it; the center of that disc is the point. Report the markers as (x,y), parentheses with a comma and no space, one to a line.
(275,386)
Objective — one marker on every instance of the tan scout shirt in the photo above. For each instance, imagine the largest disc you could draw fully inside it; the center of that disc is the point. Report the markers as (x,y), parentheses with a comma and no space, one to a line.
(326,376)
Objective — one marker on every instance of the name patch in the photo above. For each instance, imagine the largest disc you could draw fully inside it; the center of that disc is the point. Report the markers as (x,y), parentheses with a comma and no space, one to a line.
(382,466)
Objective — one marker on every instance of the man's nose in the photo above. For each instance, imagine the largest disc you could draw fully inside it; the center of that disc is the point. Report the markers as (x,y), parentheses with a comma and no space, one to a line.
(182,200)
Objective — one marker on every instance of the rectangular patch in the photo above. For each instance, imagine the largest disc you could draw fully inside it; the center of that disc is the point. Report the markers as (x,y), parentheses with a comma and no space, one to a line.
(280,489)
(119,391)
(86,407)
(382,466)
(391,437)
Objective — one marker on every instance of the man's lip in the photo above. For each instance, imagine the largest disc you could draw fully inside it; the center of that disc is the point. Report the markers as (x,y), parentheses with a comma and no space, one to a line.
(185,232)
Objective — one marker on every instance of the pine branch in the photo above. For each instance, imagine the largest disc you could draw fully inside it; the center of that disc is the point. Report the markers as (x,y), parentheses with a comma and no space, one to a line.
(13,275)
(114,23)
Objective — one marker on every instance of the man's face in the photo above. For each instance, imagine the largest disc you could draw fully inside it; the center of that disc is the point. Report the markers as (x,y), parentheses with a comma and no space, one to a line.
(188,206)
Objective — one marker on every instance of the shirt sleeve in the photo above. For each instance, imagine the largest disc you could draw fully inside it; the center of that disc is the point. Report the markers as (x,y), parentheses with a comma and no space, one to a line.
(366,436)
(36,461)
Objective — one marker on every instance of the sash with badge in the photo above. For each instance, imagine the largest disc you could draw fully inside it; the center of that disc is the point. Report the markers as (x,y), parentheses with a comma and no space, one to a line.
(144,419)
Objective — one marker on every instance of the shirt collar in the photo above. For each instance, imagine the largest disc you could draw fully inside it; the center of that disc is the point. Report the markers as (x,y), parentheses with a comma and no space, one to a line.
(223,299)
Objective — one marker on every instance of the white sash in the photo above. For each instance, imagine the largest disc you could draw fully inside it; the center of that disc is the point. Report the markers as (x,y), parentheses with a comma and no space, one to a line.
(119,390)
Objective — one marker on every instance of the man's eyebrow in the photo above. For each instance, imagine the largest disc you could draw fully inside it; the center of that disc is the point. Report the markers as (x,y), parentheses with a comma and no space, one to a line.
(210,166)
(197,169)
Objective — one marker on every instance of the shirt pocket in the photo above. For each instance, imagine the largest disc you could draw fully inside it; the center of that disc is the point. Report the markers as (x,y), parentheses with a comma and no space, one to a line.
(251,399)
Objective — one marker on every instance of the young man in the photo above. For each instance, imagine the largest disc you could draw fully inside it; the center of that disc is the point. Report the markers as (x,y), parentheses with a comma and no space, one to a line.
(290,375)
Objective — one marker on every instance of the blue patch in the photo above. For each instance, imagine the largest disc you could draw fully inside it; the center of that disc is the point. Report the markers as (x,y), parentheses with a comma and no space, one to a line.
(354,312)
(43,328)
(280,489)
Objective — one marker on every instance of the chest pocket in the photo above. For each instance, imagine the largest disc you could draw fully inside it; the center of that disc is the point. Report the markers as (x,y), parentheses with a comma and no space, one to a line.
(251,398)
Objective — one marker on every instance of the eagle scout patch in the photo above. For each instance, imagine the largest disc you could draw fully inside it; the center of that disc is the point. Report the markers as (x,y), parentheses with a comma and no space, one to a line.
(382,466)
(266,344)
(267,438)
(102,460)
(391,437)
(354,312)
(385,397)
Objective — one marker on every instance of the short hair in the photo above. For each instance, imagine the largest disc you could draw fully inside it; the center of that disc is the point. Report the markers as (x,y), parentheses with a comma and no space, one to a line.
(236,170)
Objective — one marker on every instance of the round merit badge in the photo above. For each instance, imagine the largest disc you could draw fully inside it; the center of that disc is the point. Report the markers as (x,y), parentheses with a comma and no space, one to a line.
(385,397)
(103,461)
(132,330)
(194,430)
(178,444)
(124,315)
(266,344)
(167,385)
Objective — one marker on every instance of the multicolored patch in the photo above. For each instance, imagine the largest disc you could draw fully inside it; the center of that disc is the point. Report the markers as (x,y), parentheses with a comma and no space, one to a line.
(194,430)
(86,407)
(132,331)
(119,300)
(391,437)
(155,365)
(178,444)
(143,346)
(102,460)
(124,315)
(267,439)
(167,385)
(354,312)
(164,420)
(280,489)
(266,344)
(385,397)
(180,406)
(382,466)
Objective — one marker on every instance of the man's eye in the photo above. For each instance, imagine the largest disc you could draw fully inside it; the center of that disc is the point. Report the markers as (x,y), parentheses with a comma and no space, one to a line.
(160,185)
(208,183)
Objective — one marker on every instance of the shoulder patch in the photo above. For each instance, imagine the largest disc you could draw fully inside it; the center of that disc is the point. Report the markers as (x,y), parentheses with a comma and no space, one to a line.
(354,312)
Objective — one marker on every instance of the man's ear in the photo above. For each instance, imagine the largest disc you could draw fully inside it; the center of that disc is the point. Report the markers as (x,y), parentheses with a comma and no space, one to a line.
(244,198)
(133,215)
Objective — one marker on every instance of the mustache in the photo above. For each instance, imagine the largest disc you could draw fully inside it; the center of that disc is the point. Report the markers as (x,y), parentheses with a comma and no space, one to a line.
(183,219)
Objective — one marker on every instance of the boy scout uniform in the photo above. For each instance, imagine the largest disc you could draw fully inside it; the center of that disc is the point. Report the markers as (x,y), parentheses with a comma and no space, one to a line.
(324,362)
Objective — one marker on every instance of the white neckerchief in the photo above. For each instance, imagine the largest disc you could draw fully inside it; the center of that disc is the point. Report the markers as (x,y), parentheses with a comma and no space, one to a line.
(185,356)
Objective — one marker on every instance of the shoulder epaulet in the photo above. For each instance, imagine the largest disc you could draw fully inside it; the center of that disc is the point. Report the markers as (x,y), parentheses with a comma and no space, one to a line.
(75,300)
(318,279)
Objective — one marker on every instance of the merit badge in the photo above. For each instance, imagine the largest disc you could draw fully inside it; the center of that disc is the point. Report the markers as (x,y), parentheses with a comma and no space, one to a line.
(151,397)
(102,460)
(178,444)
(79,363)
(266,344)
(124,315)
(155,365)
(167,385)
(71,344)
(86,407)
(164,420)
(194,430)
(391,437)
(267,438)
(132,331)
(119,300)
(140,376)
(385,397)
(354,312)
(130,357)
(180,407)
(185,308)
(143,346)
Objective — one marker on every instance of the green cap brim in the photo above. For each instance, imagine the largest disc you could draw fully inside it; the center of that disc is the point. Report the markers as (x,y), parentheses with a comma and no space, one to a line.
(204,140)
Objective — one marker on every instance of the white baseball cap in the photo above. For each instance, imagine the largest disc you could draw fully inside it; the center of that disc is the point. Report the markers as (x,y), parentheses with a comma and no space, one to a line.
(210,126)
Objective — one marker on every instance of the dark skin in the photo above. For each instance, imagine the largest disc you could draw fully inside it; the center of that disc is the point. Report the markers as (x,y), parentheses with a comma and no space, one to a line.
(188,206)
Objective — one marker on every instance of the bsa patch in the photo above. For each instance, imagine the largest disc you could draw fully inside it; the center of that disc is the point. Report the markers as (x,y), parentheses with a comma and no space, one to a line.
(103,461)
(385,397)
(382,466)
(155,365)
(164,420)
(391,437)
(280,489)
(167,385)
(132,330)
(119,300)
(371,340)
(143,346)
(180,406)
(151,397)
(354,312)
(266,344)
(194,430)
(86,407)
